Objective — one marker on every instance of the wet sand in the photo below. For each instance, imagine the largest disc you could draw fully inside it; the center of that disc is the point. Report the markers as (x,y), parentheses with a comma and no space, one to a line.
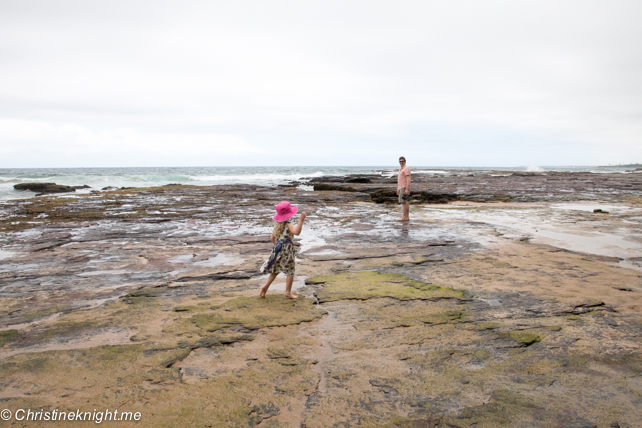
(474,313)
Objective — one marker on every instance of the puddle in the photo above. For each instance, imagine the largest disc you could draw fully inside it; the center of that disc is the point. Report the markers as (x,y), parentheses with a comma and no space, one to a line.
(104,272)
(6,254)
(544,225)
(221,259)
(590,207)
(102,259)
(215,260)
(323,253)
(598,243)
(630,265)
(492,302)
(310,239)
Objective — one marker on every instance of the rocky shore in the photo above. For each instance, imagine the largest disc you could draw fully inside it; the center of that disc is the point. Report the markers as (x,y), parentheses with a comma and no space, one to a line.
(146,300)
(490,186)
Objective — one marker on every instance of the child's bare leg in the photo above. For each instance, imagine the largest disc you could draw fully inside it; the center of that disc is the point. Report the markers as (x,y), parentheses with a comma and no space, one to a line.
(270,279)
(288,287)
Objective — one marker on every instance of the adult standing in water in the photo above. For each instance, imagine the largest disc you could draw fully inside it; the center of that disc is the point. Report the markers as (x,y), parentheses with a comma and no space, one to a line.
(403,189)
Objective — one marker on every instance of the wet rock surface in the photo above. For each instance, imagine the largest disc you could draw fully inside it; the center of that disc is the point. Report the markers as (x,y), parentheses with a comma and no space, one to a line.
(147,300)
(490,186)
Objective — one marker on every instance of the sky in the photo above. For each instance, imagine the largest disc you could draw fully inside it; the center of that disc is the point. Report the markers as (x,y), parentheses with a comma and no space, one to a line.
(345,83)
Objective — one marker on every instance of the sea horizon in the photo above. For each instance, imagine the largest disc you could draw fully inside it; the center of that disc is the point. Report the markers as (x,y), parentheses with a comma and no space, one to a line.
(98,178)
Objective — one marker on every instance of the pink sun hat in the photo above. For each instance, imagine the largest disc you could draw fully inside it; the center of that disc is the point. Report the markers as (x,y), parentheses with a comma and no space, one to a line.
(284,211)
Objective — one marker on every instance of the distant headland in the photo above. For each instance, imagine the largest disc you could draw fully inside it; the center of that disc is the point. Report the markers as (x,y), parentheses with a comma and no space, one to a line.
(628,165)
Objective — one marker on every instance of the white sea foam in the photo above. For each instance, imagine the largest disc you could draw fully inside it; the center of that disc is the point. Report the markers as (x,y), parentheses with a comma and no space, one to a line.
(429,171)
(98,178)
(254,178)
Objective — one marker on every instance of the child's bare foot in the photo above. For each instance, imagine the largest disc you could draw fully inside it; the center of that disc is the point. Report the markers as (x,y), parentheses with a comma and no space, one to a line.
(263,291)
(291,296)
(403,219)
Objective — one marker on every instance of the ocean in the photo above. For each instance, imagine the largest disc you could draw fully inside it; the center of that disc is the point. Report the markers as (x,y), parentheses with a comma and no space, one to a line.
(98,178)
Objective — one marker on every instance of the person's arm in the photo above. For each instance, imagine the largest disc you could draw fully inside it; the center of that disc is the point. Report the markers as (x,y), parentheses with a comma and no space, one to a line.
(273,238)
(296,230)
(408,184)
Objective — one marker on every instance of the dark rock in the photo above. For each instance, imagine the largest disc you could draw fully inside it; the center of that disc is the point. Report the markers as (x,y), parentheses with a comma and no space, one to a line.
(623,288)
(325,186)
(44,188)
(49,237)
(358,180)
(331,179)
(217,275)
(264,411)
(384,386)
(157,220)
(50,245)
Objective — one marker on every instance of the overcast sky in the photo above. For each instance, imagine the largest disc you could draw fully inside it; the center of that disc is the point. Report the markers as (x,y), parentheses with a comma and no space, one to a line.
(215,83)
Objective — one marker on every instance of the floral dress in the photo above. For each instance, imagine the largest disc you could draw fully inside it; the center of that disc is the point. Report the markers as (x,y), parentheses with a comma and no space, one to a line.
(282,256)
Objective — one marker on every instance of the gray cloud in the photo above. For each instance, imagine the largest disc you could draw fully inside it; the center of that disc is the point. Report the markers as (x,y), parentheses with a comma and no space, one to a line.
(237,83)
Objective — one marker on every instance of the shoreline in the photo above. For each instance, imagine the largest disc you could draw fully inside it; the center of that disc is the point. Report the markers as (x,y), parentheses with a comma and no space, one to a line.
(116,178)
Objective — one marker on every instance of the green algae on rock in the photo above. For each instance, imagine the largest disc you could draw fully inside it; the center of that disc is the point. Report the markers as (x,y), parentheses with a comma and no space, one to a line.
(523,337)
(485,325)
(371,284)
(254,313)
(7,336)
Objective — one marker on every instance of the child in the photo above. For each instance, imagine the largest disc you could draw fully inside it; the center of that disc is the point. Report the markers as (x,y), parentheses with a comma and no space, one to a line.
(282,256)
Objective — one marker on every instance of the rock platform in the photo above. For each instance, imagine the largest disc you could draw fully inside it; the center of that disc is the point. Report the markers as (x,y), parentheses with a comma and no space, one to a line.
(146,300)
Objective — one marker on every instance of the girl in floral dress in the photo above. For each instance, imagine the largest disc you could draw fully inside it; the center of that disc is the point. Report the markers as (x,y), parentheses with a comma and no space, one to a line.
(282,256)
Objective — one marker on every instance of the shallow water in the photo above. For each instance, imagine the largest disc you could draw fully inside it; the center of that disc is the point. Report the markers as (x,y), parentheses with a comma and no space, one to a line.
(491,302)
(590,207)
(105,272)
(559,225)
(5,254)
(215,260)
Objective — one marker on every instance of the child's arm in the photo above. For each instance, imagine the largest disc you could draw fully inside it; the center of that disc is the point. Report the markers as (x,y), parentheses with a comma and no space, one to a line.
(273,238)
(296,230)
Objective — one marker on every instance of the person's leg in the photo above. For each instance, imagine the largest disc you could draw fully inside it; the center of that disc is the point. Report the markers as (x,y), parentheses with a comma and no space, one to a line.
(406,211)
(270,279)
(401,201)
(288,287)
